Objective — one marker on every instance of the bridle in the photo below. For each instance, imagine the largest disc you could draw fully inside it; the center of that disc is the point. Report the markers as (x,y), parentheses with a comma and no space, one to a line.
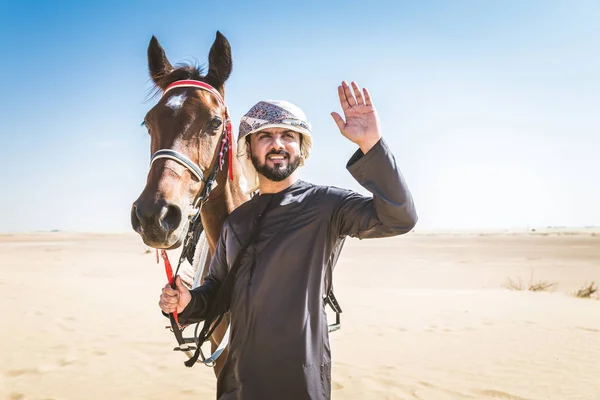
(194,227)
(226,143)
(209,183)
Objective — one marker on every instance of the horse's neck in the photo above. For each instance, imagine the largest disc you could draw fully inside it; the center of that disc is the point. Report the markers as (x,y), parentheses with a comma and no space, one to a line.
(229,194)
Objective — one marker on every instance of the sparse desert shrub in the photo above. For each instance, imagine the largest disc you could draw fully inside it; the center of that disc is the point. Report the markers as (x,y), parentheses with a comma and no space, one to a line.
(514,285)
(541,286)
(586,291)
(533,286)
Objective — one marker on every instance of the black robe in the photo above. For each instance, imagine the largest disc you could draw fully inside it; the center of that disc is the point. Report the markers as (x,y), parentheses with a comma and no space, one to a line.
(279,341)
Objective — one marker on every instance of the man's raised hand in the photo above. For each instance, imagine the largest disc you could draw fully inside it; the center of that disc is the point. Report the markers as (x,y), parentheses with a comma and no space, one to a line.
(362,122)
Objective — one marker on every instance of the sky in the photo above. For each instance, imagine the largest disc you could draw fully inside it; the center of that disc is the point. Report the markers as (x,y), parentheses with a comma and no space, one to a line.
(490,108)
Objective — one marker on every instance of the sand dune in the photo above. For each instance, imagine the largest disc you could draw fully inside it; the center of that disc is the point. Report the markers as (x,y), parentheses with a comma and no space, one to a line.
(426,316)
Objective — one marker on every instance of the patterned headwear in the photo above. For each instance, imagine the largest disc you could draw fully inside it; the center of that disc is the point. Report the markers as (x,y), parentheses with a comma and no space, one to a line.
(271,114)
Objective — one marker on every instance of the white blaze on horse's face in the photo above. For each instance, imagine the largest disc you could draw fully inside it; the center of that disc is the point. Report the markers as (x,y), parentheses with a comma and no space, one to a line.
(175,102)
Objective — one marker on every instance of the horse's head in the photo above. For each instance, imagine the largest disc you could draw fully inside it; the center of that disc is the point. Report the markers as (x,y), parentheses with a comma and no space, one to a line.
(186,123)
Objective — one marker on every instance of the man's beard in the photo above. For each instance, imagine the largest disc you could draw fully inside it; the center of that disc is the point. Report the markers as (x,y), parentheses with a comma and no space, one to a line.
(279,172)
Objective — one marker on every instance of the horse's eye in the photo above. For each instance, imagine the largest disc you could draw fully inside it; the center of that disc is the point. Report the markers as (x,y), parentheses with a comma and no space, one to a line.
(215,123)
(145,125)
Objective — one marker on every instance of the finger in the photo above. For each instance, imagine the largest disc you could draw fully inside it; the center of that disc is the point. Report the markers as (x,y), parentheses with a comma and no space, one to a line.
(168,291)
(172,299)
(166,299)
(348,93)
(343,100)
(357,94)
(367,97)
(339,121)
(168,302)
(167,308)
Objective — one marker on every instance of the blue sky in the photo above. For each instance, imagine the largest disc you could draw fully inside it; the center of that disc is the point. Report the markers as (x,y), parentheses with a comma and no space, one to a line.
(491,108)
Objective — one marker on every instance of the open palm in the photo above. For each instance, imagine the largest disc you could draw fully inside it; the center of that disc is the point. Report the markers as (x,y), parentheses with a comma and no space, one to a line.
(361,124)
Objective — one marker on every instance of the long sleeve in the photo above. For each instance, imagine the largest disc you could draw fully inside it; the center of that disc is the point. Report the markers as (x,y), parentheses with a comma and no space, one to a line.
(389,212)
(204,295)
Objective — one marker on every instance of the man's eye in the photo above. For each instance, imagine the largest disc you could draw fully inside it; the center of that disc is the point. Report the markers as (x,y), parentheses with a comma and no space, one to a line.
(215,123)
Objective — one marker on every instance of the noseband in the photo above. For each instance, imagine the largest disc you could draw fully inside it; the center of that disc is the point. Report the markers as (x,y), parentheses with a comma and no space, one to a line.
(226,144)
(180,158)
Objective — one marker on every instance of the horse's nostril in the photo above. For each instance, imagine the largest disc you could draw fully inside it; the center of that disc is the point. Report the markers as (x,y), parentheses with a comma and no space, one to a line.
(135,218)
(170,217)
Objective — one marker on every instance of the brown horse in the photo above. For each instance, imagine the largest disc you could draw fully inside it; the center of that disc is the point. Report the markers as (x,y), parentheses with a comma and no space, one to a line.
(189,122)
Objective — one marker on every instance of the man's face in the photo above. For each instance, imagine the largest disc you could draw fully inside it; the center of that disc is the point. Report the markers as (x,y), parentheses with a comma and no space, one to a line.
(275,153)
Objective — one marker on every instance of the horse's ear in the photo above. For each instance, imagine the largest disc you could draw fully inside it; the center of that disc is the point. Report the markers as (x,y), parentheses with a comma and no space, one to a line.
(219,61)
(158,64)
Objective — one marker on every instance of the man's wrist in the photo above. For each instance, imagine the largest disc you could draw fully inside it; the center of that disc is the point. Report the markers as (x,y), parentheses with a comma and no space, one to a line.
(368,144)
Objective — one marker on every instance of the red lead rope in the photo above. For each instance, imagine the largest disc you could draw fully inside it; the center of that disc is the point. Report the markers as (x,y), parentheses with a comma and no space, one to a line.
(169,271)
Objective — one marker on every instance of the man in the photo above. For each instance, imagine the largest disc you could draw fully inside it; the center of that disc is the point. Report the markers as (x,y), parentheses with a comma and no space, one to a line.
(279,344)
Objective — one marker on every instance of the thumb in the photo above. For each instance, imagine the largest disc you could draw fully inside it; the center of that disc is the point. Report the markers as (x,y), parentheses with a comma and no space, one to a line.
(339,121)
(179,284)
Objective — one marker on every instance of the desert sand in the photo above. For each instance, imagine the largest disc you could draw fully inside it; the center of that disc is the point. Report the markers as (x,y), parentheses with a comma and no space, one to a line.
(426,316)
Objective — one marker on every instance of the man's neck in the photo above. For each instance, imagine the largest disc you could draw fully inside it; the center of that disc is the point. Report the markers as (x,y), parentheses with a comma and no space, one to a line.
(266,186)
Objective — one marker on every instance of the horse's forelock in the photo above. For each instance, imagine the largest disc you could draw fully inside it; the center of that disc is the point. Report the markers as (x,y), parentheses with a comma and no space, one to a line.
(181,72)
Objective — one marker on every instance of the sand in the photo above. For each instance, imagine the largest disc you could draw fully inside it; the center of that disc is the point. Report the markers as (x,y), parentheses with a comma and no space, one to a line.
(426,316)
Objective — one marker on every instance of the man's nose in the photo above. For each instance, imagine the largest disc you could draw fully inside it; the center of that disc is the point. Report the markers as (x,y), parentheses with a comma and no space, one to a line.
(277,143)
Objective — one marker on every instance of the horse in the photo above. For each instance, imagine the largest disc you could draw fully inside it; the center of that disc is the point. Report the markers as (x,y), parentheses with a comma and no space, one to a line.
(188,128)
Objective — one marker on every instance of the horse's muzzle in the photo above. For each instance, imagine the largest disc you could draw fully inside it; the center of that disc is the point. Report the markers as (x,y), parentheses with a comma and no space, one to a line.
(157,222)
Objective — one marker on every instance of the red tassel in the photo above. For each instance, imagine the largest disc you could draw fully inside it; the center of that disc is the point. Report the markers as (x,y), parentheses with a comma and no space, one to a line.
(230,161)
